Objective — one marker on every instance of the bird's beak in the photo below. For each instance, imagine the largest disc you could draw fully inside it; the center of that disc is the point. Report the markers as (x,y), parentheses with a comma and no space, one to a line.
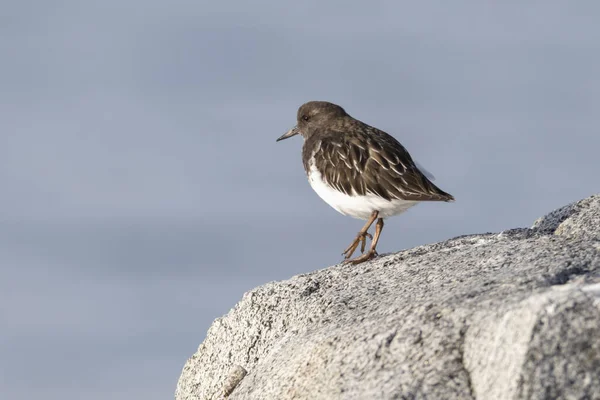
(292,132)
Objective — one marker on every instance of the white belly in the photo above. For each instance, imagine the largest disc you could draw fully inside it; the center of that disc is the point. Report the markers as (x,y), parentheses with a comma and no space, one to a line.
(360,207)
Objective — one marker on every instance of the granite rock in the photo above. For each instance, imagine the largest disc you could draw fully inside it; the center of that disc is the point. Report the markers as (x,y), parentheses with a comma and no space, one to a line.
(510,315)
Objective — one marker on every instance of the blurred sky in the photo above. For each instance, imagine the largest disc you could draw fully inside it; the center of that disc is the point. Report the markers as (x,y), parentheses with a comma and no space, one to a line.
(143,191)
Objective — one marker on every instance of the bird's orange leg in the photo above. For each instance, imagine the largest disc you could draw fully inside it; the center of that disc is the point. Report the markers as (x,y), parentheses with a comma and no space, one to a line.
(361,237)
(372,252)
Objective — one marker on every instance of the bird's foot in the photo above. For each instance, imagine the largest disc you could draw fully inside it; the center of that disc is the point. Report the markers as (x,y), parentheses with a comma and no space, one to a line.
(361,239)
(363,257)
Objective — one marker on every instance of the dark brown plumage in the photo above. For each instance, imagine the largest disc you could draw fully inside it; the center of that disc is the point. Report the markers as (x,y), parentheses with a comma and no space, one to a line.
(359,170)
(356,158)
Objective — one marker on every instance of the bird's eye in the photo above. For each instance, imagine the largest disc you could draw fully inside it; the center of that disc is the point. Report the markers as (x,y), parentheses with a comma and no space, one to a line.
(305,117)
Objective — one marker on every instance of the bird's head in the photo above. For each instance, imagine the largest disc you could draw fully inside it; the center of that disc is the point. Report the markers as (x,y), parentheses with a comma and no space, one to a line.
(312,116)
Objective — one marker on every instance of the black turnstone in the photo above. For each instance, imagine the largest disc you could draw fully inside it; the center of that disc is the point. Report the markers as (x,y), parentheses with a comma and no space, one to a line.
(359,170)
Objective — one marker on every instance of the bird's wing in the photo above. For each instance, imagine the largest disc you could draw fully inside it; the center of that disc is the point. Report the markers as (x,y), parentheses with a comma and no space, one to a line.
(428,174)
(374,163)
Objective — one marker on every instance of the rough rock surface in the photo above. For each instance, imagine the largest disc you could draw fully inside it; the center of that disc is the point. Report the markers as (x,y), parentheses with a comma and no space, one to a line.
(511,315)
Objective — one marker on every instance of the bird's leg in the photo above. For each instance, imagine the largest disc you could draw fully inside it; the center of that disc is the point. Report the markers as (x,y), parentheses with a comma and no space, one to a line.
(372,252)
(378,229)
(363,242)
(361,237)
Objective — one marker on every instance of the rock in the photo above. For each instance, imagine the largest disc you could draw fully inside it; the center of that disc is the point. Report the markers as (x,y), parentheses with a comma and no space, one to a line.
(235,377)
(574,220)
(514,315)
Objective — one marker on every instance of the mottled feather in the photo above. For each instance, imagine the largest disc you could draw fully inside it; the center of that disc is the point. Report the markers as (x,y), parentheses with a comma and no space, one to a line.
(358,159)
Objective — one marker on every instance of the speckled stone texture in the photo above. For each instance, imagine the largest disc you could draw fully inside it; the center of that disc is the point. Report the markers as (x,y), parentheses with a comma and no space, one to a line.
(513,315)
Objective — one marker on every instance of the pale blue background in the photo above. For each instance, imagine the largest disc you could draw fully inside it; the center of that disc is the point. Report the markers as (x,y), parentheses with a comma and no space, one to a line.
(142,191)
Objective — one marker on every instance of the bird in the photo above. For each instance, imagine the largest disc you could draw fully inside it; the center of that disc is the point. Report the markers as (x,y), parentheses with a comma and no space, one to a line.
(359,170)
